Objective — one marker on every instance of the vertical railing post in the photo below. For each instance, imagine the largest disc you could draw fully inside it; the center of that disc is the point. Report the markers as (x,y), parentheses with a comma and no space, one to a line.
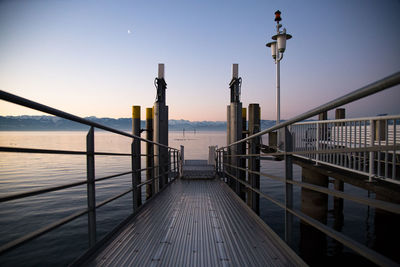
(173,163)
(176,163)
(317,145)
(182,160)
(224,161)
(136,151)
(288,187)
(253,199)
(91,193)
(134,180)
(371,154)
(150,153)
(217,162)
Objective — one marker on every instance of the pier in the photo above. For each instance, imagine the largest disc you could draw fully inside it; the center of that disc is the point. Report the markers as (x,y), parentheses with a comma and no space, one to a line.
(195,222)
(206,212)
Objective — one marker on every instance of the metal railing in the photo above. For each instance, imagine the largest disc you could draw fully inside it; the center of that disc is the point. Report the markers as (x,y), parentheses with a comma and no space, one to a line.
(368,146)
(302,139)
(167,173)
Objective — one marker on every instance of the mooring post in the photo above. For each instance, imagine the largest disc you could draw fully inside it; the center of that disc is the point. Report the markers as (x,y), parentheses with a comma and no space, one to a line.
(136,164)
(236,134)
(161,130)
(288,187)
(228,142)
(242,160)
(91,189)
(253,199)
(236,125)
(340,113)
(314,204)
(150,153)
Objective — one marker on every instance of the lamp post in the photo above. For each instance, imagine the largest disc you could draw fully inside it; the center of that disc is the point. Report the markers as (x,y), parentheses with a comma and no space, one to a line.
(278,46)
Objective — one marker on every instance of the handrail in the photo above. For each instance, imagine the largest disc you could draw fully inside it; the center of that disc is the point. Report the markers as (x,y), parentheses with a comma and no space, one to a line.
(374,118)
(56,112)
(367,90)
(166,169)
(230,166)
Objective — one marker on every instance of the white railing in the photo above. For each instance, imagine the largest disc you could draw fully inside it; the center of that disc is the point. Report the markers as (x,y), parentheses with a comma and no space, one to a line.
(369,146)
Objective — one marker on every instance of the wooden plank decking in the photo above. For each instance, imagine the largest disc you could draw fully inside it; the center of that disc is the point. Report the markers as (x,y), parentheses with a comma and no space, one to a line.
(195,223)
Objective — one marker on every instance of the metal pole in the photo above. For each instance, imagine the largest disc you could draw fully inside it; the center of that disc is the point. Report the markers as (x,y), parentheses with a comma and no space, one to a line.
(91,193)
(278,94)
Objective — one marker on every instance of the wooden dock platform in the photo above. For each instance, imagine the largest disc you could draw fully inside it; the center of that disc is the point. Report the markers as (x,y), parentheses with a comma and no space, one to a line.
(195,223)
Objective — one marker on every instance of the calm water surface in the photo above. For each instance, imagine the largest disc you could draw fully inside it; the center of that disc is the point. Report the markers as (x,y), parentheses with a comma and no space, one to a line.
(20,172)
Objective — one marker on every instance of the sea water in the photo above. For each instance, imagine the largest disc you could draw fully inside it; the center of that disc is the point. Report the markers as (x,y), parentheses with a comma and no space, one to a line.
(21,172)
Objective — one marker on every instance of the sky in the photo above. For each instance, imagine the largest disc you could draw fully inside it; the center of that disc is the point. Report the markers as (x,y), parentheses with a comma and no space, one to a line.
(98,58)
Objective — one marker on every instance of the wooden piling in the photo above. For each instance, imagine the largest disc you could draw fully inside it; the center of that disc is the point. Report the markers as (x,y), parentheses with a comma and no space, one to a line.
(242,160)
(340,113)
(313,243)
(160,126)
(136,162)
(253,199)
(150,153)
(228,142)
(236,134)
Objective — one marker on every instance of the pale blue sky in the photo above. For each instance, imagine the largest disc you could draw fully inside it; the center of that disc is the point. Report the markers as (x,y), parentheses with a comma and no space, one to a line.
(79,57)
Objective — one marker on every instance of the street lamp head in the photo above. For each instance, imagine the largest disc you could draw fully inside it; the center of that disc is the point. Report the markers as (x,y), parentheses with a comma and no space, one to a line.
(273,48)
(281,40)
(278,16)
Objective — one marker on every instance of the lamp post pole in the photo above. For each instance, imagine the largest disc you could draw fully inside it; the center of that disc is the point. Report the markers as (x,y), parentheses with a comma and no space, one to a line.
(277,48)
(278,92)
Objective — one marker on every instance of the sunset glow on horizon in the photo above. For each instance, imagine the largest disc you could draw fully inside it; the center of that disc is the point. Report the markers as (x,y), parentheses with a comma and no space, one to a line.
(98,58)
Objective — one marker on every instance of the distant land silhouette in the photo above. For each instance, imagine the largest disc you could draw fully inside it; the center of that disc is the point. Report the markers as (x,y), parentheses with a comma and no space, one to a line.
(51,123)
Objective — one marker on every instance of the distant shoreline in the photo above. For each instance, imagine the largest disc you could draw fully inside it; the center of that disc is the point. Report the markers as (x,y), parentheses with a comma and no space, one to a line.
(52,123)
(124,130)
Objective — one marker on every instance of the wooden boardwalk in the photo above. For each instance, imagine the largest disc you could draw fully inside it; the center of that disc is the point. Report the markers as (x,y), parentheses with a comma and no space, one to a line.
(195,223)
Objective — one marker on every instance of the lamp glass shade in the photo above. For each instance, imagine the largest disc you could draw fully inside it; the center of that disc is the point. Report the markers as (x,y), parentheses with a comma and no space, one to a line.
(273,49)
(281,42)
(272,45)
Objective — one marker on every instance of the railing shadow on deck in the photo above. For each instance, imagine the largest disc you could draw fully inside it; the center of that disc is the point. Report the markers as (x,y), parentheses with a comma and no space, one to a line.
(352,145)
(160,176)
